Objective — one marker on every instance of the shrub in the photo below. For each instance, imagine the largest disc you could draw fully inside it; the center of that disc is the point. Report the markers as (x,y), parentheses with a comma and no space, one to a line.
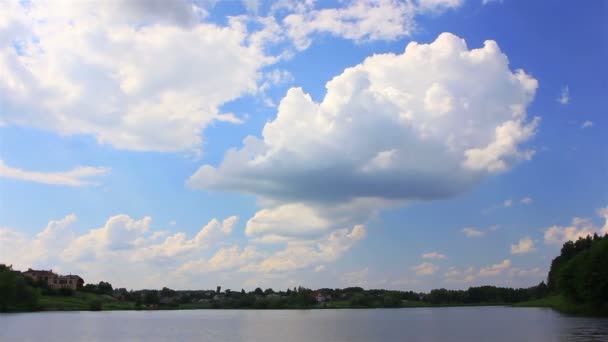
(95,305)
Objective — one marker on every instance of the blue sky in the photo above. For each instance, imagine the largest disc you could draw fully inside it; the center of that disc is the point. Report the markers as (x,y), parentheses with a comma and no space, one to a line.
(203,143)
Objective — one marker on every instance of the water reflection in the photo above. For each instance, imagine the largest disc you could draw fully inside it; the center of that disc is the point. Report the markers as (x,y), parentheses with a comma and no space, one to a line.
(422,324)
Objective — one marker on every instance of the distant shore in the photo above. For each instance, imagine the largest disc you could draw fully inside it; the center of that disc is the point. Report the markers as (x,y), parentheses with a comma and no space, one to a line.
(82,302)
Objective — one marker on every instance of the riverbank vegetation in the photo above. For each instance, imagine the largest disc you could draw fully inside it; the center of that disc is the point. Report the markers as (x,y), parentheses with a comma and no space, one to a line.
(577,284)
(578,278)
(103,296)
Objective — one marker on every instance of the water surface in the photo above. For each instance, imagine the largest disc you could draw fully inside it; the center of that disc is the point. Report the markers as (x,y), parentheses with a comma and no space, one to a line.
(419,324)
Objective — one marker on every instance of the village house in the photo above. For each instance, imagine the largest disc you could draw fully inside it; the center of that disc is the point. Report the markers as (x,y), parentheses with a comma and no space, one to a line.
(54,280)
(320,297)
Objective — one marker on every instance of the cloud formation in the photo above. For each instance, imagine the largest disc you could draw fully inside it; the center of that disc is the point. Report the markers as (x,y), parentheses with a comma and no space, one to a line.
(525,245)
(305,254)
(425,268)
(367,144)
(504,269)
(471,232)
(129,251)
(526,200)
(433,255)
(359,21)
(580,227)
(76,177)
(115,70)
(564,97)
(495,269)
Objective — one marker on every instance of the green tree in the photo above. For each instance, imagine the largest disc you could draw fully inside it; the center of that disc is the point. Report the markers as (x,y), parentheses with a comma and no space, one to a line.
(104,287)
(15,292)
(151,298)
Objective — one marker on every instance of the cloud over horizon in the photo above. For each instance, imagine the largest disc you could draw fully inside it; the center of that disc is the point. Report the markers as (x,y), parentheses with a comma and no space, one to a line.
(367,145)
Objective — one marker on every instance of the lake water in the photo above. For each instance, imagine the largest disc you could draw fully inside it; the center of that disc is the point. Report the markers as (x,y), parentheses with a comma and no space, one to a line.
(419,324)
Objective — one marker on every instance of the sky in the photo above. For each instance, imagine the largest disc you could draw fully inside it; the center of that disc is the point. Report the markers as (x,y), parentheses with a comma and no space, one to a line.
(378,143)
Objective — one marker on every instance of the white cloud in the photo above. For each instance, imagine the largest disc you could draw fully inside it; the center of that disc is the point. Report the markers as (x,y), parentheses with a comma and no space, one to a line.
(290,219)
(115,70)
(229,224)
(318,252)
(76,177)
(454,275)
(472,232)
(224,259)
(361,20)
(438,5)
(564,97)
(507,203)
(526,200)
(41,249)
(251,5)
(495,269)
(357,20)
(320,268)
(125,252)
(587,124)
(485,2)
(425,268)
(179,244)
(370,140)
(120,232)
(504,274)
(525,245)
(580,227)
(433,255)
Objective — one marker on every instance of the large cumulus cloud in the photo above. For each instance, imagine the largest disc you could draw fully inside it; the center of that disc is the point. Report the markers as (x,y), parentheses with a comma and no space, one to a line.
(134,74)
(428,123)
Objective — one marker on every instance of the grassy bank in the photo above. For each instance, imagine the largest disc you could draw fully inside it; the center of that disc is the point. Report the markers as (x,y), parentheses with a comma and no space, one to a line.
(563,305)
(83,301)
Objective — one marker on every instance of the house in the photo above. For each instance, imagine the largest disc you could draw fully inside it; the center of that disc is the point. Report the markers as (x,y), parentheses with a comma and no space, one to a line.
(53,280)
(320,297)
(73,282)
(39,275)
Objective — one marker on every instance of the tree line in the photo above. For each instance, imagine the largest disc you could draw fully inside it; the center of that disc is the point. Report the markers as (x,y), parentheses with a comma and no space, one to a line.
(579,274)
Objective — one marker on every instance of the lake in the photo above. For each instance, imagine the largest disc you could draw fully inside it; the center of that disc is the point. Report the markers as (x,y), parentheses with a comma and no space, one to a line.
(413,324)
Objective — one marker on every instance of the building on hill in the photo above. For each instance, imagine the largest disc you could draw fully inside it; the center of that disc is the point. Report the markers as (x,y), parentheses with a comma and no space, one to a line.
(71,281)
(39,275)
(55,281)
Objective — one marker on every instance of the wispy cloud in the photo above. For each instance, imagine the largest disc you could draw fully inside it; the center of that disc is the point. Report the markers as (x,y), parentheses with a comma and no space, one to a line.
(472,232)
(526,200)
(426,268)
(564,98)
(75,177)
(433,255)
(508,203)
(587,124)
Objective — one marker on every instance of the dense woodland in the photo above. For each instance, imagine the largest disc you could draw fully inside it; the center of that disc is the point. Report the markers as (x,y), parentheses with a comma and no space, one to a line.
(580,273)
(579,276)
